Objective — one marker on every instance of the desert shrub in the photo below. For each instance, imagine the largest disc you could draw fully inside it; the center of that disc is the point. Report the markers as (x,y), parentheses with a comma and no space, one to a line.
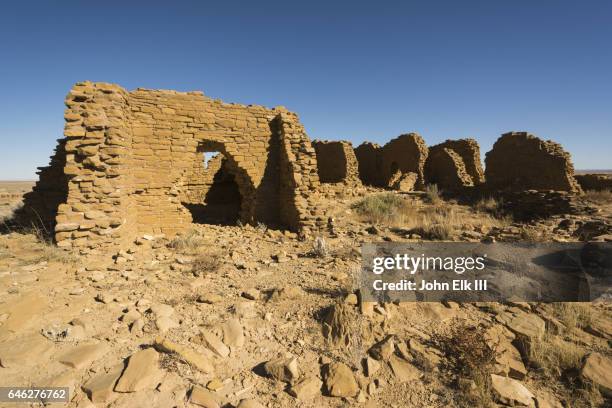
(529,234)
(432,194)
(187,242)
(471,360)
(319,247)
(386,208)
(599,197)
(206,263)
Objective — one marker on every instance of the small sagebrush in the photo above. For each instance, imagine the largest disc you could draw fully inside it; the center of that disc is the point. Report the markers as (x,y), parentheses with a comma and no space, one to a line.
(319,247)
(599,197)
(206,263)
(471,360)
(432,194)
(187,242)
(385,208)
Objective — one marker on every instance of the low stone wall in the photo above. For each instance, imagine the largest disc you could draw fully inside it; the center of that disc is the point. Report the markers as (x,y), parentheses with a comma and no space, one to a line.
(597,182)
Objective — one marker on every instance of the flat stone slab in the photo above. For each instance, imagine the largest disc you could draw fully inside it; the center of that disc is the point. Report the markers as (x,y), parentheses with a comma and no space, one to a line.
(99,389)
(511,392)
(142,372)
(25,351)
(20,313)
(597,369)
(82,356)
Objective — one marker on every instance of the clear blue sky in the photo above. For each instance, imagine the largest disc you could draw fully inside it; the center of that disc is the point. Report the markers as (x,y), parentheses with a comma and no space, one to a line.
(351,70)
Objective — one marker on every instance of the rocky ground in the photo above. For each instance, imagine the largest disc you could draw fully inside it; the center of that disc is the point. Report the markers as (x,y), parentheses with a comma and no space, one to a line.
(245,316)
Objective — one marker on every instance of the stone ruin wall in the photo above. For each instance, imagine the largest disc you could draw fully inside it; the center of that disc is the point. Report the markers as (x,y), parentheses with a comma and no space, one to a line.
(369,163)
(596,182)
(131,162)
(446,169)
(454,164)
(521,161)
(336,162)
(384,166)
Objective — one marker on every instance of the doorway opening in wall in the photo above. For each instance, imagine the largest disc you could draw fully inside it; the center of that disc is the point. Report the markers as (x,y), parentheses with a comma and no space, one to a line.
(214,194)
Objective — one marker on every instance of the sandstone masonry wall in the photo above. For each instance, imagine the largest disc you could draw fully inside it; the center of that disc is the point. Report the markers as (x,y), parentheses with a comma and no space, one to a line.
(454,164)
(446,169)
(336,162)
(406,154)
(133,160)
(521,161)
(369,158)
(598,182)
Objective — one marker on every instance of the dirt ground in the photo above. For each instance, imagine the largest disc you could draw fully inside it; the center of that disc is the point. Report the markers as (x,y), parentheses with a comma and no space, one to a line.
(246,316)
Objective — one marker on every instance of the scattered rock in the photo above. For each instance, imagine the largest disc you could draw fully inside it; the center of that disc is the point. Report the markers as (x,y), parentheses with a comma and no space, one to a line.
(190,356)
(249,403)
(339,324)
(511,392)
(233,335)
(306,389)
(597,369)
(202,397)
(371,366)
(83,355)
(162,310)
(403,370)
(283,369)
(166,323)
(383,349)
(24,351)
(142,372)
(251,294)
(340,380)
(211,341)
(99,389)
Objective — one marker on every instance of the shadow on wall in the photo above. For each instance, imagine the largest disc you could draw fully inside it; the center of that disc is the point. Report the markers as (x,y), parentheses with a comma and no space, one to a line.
(40,206)
(219,199)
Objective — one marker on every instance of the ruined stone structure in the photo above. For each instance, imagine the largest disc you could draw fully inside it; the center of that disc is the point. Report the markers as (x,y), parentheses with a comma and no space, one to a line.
(446,169)
(385,166)
(336,162)
(521,161)
(369,162)
(133,163)
(454,164)
(598,182)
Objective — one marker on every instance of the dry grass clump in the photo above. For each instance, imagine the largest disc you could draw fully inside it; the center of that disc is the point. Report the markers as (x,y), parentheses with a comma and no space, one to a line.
(441,221)
(553,355)
(599,197)
(385,208)
(206,263)
(432,194)
(573,314)
(188,242)
(472,361)
(529,234)
(46,250)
